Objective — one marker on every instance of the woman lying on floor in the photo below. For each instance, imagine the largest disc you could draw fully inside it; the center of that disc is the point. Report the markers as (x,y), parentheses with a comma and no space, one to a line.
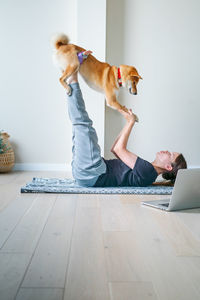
(90,169)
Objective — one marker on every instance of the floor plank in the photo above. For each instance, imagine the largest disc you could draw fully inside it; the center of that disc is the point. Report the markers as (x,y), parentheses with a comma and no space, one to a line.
(143,253)
(178,235)
(10,188)
(12,269)
(123,259)
(40,294)
(86,277)
(49,263)
(12,214)
(164,267)
(132,291)
(190,218)
(27,232)
(191,267)
(6,178)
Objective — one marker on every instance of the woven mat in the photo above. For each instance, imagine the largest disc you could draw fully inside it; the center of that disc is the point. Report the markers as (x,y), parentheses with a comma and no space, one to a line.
(69,186)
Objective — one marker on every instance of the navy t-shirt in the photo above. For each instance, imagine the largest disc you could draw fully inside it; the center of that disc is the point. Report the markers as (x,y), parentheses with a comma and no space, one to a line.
(119,174)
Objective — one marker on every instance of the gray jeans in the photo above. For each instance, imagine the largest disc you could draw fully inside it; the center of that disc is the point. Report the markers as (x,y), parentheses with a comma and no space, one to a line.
(87,163)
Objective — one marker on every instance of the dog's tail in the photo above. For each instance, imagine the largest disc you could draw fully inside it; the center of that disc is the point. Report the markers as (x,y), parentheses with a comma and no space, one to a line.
(59,40)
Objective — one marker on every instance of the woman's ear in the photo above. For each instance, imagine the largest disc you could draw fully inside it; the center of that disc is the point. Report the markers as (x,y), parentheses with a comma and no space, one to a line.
(168,167)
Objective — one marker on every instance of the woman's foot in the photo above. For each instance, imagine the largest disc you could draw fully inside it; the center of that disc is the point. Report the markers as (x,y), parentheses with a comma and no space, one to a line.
(87,52)
(73,78)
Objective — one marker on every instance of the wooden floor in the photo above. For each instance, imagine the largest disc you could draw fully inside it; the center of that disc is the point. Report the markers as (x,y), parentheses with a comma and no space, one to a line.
(94,247)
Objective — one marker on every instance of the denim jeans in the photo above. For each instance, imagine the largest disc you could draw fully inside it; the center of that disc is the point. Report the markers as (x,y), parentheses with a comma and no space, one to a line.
(87,163)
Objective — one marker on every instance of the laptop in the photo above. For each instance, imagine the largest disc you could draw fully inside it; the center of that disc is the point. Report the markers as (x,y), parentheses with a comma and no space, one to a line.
(185,194)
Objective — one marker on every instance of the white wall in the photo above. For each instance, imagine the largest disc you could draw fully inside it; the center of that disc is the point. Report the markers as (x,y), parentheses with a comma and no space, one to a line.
(33,106)
(33,103)
(91,35)
(161,39)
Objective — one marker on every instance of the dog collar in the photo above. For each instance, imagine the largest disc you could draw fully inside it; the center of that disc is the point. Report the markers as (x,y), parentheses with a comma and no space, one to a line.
(119,77)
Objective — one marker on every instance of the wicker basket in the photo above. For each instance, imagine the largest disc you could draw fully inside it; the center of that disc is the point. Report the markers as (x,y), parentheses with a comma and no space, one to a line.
(7,159)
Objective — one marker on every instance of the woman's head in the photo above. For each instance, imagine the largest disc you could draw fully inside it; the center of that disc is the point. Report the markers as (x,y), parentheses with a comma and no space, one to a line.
(168,163)
(179,163)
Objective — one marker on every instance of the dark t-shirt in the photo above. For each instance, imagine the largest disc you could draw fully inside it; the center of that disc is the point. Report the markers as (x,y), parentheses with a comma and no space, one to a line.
(119,174)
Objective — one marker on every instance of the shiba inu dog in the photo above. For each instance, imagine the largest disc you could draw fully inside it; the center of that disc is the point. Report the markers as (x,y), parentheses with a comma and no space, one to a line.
(98,75)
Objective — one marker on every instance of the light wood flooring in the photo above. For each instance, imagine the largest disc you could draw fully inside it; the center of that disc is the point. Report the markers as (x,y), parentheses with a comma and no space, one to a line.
(94,247)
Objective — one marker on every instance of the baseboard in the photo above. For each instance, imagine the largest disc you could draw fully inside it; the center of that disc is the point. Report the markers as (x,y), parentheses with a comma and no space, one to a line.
(42,167)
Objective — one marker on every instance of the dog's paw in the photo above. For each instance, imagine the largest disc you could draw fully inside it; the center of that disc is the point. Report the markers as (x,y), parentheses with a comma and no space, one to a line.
(124,108)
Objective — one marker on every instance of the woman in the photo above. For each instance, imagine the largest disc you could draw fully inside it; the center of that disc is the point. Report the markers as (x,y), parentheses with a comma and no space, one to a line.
(90,169)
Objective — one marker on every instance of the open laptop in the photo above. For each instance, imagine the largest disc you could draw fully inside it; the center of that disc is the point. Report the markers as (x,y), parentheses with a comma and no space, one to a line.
(185,194)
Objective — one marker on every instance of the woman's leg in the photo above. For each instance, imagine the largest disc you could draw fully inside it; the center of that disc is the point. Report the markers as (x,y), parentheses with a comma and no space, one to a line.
(87,163)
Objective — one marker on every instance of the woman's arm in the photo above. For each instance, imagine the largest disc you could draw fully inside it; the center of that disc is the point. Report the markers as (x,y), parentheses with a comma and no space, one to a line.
(119,147)
(130,118)
(115,142)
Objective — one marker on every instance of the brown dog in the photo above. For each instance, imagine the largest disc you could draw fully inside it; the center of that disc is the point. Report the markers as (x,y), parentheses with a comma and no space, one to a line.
(98,75)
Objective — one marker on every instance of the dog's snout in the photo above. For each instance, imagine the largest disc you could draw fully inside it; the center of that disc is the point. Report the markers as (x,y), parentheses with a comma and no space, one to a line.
(132,91)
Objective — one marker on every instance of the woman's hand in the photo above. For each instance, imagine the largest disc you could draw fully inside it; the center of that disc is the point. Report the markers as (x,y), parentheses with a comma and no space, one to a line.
(129,116)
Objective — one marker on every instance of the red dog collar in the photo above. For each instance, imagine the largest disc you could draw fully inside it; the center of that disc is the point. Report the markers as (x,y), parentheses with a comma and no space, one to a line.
(119,77)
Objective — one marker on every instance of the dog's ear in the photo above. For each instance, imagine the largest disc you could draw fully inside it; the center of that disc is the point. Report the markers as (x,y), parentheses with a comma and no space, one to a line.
(136,75)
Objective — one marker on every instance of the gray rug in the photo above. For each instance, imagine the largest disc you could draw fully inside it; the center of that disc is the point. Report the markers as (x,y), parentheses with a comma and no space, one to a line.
(69,186)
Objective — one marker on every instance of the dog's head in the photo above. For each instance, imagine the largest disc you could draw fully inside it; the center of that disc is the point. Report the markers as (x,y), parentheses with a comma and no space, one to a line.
(130,78)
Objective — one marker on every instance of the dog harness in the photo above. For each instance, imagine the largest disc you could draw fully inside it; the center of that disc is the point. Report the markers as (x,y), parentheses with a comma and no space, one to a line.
(81,57)
(119,77)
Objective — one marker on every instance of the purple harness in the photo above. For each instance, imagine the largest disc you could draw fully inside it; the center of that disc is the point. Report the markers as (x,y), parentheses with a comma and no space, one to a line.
(81,57)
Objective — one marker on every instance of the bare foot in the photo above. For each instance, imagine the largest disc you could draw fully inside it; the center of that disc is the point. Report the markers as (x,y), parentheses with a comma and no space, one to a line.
(87,52)
(73,78)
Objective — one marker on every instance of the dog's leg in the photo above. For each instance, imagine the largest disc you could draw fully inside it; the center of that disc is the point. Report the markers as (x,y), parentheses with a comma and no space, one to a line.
(66,74)
(112,102)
